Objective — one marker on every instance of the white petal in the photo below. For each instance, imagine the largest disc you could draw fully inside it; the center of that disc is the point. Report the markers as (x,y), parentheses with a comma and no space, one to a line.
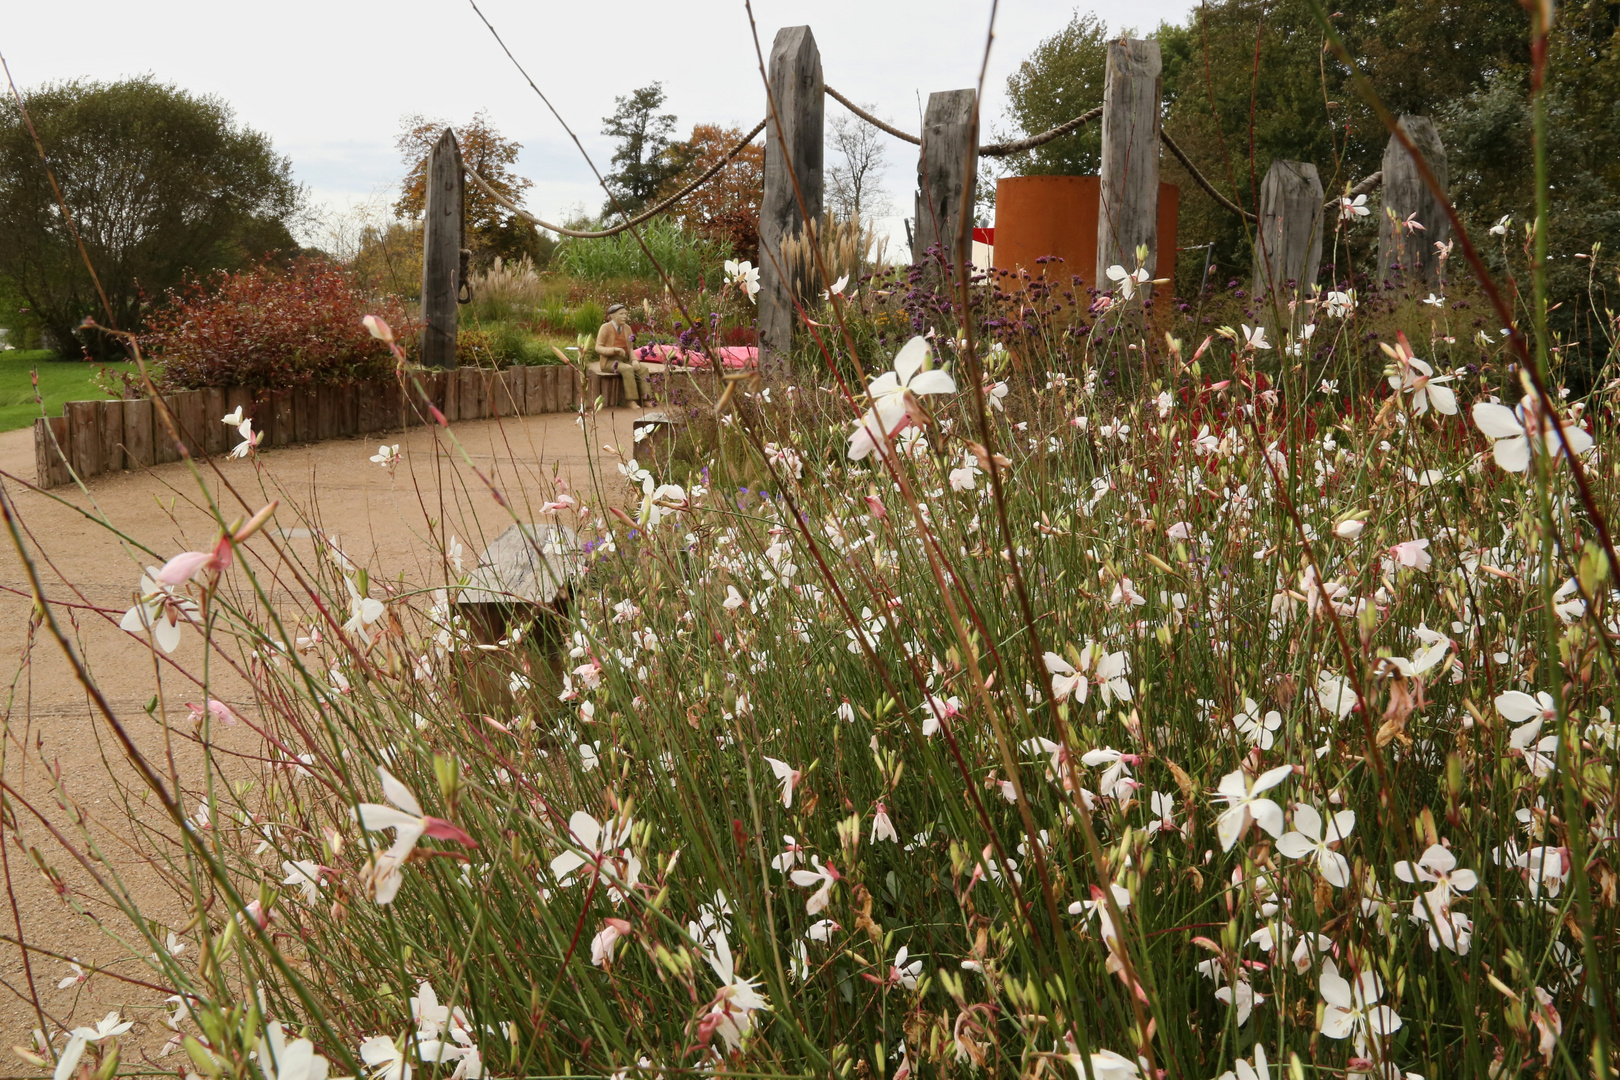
(1334,867)
(1268,815)
(167,634)
(1513,455)
(1308,821)
(1294,845)
(1335,991)
(1444,400)
(398,793)
(1497,421)
(69,1060)
(1271,778)
(1516,706)
(586,829)
(374,816)
(134,622)
(936,381)
(911,358)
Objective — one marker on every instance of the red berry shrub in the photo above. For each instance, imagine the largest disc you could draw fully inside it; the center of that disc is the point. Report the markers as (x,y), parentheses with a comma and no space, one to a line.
(272,328)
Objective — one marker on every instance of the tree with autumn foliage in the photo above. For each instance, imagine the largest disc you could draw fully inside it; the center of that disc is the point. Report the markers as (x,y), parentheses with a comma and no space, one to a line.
(492,230)
(726,208)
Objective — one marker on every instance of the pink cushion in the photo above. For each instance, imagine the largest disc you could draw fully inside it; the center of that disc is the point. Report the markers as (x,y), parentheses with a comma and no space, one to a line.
(736,357)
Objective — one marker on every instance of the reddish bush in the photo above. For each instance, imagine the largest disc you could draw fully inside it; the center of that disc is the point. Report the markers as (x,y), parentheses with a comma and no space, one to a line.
(272,328)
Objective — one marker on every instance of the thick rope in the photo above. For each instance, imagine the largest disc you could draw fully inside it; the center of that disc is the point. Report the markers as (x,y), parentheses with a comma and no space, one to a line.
(1003,149)
(653,211)
(1365,186)
(1200,179)
(870,119)
(988,150)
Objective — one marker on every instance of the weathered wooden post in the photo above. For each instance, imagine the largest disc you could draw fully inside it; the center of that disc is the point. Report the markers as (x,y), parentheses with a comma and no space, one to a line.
(1402,250)
(1128,205)
(793,151)
(1288,236)
(442,224)
(947,164)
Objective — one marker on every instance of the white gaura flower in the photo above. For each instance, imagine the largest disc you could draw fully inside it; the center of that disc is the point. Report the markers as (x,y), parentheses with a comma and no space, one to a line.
(744,275)
(363,610)
(1513,432)
(793,853)
(1127,281)
(1260,1070)
(1246,806)
(1350,209)
(1352,1009)
(1259,730)
(387,456)
(1255,337)
(837,289)
(81,1037)
(882,826)
(1308,841)
(1518,707)
(823,877)
(902,972)
(405,817)
(731,1013)
(384,1059)
(159,609)
(1163,805)
(1341,304)
(1066,681)
(1501,226)
(1105,1065)
(661,502)
(1437,866)
(1335,694)
(1241,996)
(606,940)
(596,840)
(283,1060)
(1409,375)
(892,394)
(250,440)
(233,418)
(788,777)
(305,874)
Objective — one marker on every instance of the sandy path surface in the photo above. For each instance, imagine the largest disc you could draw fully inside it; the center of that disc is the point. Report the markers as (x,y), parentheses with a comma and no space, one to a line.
(382,521)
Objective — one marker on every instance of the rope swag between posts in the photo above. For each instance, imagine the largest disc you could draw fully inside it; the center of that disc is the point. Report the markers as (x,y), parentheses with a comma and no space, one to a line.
(1005,149)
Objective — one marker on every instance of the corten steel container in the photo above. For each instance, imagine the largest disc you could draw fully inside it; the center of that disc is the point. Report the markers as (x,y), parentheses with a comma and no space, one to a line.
(1057,215)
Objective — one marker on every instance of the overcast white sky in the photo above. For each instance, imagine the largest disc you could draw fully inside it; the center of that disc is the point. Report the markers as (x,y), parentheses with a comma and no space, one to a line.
(329,80)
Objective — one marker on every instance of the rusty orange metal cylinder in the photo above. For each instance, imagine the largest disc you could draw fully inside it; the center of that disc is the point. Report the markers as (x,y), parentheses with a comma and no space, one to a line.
(1057,215)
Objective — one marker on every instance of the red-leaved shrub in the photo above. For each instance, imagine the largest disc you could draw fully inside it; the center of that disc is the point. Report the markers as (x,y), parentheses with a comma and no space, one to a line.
(273,329)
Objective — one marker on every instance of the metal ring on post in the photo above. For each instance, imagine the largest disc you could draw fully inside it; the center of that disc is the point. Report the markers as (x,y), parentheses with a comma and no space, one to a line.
(463,286)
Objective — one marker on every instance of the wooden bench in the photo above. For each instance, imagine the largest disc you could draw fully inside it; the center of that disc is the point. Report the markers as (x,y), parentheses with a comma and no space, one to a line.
(526,567)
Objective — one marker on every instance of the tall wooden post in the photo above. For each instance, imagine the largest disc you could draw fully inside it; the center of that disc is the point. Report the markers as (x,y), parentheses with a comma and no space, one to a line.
(1288,236)
(947,165)
(442,228)
(1128,206)
(1404,252)
(793,152)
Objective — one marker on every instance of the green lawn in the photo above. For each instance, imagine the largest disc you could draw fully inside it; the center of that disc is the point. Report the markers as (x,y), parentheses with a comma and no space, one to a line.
(60,381)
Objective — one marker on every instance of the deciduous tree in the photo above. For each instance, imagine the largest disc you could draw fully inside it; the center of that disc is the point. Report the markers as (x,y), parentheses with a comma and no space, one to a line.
(853,178)
(726,208)
(492,229)
(159,181)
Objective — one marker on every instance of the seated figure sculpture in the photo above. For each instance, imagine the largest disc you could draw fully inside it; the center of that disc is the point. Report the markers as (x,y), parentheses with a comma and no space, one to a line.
(613,353)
